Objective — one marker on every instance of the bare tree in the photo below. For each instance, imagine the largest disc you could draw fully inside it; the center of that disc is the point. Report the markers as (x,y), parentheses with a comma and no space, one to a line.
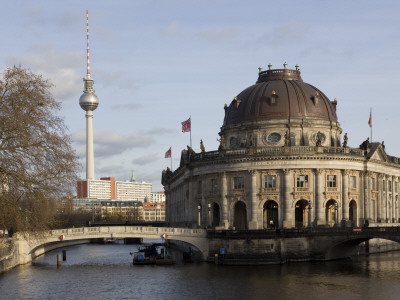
(37,163)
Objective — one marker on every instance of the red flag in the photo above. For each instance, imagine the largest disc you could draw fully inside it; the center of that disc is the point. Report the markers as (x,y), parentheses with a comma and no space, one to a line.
(186,125)
(168,153)
(370,119)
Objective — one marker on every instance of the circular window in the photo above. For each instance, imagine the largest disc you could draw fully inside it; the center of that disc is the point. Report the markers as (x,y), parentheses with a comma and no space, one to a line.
(274,137)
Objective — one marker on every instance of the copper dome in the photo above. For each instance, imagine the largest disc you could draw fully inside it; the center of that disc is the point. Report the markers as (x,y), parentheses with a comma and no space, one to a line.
(280,94)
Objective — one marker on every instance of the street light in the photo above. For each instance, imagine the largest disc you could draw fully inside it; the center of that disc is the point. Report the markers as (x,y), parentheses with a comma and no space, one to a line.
(199,215)
(209,214)
(336,214)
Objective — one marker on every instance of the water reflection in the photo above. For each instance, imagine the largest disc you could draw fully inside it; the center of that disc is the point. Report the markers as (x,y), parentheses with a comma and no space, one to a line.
(106,272)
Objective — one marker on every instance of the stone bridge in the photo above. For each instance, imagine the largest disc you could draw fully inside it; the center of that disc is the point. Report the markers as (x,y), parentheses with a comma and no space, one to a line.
(30,247)
(290,245)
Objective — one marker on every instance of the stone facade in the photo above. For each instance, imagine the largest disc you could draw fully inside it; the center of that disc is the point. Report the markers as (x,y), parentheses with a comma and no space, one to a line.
(282,163)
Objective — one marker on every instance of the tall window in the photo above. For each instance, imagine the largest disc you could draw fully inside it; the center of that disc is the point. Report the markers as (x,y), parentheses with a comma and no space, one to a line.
(214,185)
(395,186)
(384,185)
(238,183)
(270,181)
(331,180)
(199,187)
(302,181)
(353,182)
(389,185)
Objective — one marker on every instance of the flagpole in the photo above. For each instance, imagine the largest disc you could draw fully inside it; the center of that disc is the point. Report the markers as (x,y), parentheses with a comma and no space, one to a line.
(171,158)
(190,118)
(370,113)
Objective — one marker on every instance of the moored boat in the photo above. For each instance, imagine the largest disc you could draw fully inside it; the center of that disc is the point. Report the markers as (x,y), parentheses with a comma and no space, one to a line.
(163,258)
(152,254)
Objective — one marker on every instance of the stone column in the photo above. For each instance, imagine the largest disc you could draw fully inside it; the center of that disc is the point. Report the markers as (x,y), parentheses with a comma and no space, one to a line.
(253,224)
(396,204)
(319,201)
(391,199)
(345,198)
(193,205)
(224,200)
(379,207)
(367,203)
(288,211)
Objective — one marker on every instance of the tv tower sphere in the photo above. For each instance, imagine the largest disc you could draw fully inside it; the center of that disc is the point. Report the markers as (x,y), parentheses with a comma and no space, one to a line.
(88,101)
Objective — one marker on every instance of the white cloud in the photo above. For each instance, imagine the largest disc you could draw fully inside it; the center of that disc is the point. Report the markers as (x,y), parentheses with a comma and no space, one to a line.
(58,66)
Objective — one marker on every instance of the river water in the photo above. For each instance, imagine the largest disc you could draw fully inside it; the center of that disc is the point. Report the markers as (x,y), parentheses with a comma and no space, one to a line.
(94,271)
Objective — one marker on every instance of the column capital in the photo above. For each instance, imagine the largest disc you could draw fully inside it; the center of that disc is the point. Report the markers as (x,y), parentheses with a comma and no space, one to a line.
(252,172)
(318,171)
(345,172)
(286,171)
(368,173)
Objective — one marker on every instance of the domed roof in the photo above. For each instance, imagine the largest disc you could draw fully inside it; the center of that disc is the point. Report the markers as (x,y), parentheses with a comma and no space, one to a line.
(280,94)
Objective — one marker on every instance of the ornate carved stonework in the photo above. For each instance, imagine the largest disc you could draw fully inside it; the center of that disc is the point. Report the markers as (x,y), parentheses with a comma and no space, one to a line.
(303,196)
(333,195)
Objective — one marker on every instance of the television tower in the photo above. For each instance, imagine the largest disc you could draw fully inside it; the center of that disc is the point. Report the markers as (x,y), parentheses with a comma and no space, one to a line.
(89,102)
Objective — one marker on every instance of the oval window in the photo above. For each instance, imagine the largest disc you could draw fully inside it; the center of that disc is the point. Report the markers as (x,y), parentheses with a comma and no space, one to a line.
(274,137)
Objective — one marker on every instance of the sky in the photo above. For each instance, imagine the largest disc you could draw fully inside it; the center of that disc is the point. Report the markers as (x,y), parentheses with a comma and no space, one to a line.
(156,63)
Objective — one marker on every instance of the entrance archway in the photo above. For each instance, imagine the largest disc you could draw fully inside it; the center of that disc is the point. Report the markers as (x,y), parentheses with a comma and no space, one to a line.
(270,213)
(331,211)
(215,215)
(301,213)
(353,213)
(240,216)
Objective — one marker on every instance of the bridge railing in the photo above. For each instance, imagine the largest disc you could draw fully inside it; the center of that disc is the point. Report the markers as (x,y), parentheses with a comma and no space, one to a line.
(126,229)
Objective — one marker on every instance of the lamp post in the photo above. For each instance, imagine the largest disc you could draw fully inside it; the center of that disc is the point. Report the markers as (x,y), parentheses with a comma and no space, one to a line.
(336,214)
(199,215)
(209,214)
(309,214)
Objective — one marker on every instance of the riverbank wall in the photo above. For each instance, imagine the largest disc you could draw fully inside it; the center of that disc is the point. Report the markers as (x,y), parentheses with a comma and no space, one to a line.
(258,251)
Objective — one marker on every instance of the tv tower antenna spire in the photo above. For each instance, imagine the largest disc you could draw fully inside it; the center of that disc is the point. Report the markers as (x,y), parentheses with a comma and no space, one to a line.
(89,102)
(87,49)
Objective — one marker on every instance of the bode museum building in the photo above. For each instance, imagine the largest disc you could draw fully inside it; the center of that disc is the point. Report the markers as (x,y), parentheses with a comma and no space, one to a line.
(283,162)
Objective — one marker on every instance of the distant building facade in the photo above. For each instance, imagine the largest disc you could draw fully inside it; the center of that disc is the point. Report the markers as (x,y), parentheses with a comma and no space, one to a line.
(120,200)
(157,197)
(107,188)
(153,211)
(282,162)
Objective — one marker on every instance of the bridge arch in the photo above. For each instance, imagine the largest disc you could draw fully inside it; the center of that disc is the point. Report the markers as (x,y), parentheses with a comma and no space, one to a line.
(32,247)
(344,248)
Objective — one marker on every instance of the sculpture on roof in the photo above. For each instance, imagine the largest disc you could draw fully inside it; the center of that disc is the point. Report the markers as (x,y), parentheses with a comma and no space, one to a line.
(345,140)
(365,145)
(202,147)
